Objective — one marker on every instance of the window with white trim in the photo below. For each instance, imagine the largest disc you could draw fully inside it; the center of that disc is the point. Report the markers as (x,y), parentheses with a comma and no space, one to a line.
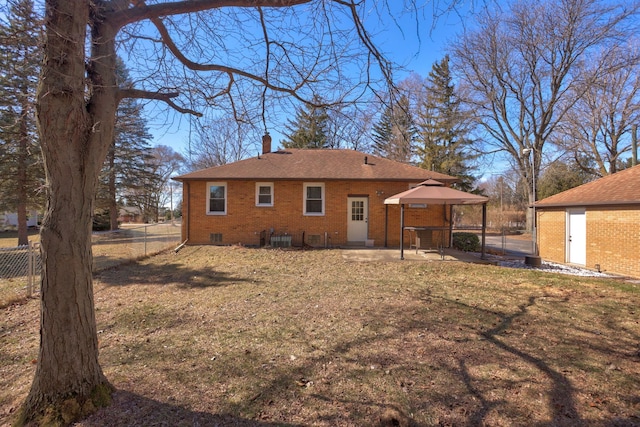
(313,198)
(264,193)
(216,198)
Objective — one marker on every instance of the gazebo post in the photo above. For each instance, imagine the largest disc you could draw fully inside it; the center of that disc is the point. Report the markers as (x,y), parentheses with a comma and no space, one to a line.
(450,226)
(484,229)
(434,192)
(402,231)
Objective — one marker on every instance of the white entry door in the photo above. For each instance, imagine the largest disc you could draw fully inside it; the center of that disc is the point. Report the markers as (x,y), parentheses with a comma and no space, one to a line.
(577,236)
(357,219)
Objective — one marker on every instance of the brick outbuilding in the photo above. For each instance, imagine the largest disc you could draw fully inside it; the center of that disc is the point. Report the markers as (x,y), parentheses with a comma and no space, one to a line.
(313,197)
(595,225)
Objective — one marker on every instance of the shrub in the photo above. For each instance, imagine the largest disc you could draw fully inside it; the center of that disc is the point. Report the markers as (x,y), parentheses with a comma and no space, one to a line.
(101,221)
(467,242)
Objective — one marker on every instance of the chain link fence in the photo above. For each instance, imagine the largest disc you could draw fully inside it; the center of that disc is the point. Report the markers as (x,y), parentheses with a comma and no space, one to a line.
(20,266)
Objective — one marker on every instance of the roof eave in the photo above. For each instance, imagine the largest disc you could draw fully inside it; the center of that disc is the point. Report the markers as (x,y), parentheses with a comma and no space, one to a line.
(593,203)
(305,178)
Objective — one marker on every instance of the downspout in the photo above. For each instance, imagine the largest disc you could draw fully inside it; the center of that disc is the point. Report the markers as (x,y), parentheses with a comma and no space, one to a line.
(186,223)
(386,224)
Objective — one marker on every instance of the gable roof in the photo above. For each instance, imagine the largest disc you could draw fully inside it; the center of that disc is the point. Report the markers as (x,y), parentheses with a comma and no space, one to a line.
(621,188)
(316,164)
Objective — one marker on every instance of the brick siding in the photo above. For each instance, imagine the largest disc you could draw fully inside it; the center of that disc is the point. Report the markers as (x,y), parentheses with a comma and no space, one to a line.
(245,221)
(612,238)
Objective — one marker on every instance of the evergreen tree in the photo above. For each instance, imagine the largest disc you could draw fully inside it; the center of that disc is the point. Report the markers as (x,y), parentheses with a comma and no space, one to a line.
(20,160)
(126,166)
(394,133)
(309,129)
(443,137)
(560,176)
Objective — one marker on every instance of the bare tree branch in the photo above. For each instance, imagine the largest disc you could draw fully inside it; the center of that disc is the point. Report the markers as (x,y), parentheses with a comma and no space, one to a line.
(158,96)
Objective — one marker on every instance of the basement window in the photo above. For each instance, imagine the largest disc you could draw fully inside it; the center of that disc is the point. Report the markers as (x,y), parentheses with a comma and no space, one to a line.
(314,239)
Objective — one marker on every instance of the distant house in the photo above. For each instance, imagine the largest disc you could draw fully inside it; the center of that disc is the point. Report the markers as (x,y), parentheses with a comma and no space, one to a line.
(310,197)
(595,225)
(9,221)
(127,214)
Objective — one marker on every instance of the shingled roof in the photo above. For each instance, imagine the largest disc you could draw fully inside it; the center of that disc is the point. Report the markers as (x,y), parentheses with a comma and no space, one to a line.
(622,188)
(310,164)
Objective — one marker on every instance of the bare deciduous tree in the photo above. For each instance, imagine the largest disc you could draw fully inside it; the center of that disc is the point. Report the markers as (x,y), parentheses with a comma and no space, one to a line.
(598,128)
(350,127)
(221,140)
(520,70)
(190,55)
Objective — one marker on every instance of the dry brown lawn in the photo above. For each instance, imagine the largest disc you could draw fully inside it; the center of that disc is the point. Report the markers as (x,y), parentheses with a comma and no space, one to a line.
(234,336)
(132,241)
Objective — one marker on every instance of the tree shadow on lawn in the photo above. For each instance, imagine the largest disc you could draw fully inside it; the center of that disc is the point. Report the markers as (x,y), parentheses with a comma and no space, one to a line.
(168,274)
(464,397)
(432,349)
(561,393)
(136,410)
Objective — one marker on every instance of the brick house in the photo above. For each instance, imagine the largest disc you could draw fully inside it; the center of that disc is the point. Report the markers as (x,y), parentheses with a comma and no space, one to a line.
(596,225)
(300,197)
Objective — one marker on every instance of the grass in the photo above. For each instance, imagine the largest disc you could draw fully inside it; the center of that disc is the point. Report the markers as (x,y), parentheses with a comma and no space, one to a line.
(109,249)
(9,238)
(235,336)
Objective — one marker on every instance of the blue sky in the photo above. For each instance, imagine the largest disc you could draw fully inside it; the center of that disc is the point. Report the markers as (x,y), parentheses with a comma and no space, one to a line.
(412,42)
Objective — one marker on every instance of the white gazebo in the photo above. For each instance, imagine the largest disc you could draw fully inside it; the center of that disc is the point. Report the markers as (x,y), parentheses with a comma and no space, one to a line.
(435,193)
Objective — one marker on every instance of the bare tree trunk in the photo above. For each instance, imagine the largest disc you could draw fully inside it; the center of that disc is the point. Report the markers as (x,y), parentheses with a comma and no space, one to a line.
(21,188)
(67,327)
(529,215)
(113,203)
(75,132)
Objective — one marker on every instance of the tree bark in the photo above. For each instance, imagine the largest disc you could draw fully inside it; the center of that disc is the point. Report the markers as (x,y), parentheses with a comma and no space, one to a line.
(23,158)
(75,130)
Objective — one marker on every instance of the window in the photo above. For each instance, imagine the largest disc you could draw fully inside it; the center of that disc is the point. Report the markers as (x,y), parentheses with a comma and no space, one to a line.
(357,210)
(416,205)
(313,199)
(264,194)
(216,198)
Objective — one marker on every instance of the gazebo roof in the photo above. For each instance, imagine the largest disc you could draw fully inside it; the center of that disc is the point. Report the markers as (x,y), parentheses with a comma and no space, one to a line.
(435,193)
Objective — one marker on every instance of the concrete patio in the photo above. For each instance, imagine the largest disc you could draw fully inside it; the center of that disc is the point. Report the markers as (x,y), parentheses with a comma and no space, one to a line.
(385,254)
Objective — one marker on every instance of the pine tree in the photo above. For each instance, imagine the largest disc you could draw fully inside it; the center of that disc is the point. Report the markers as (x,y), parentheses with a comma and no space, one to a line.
(309,129)
(20,160)
(126,165)
(394,133)
(443,142)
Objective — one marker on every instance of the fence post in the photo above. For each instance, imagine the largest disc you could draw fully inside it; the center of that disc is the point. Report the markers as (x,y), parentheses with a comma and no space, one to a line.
(145,240)
(30,269)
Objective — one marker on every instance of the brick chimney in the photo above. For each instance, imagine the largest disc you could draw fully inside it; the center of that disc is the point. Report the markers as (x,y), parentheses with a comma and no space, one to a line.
(266,143)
